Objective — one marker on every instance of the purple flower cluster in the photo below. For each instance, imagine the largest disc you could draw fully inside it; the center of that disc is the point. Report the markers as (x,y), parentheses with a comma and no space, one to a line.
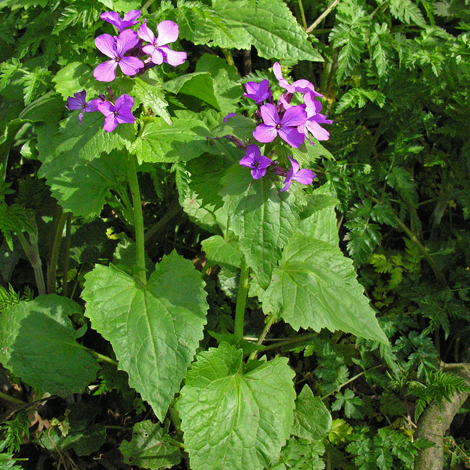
(293,124)
(125,52)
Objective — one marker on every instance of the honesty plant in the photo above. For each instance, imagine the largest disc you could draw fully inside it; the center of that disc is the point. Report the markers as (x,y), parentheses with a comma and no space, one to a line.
(276,240)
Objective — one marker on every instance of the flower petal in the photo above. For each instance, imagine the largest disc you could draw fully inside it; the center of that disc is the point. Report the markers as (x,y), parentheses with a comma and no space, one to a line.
(317,131)
(132,16)
(112,17)
(77,102)
(294,116)
(130,65)
(173,57)
(106,108)
(292,136)
(110,123)
(126,40)
(145,33)
(124,102)
(167,32)
(264,133)
(269,115)
(288,180)
(304,176)
(155,54)
(107,45)
(125,116)
(106,72)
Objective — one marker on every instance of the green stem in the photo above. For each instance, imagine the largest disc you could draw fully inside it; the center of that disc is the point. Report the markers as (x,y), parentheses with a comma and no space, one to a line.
(52,269)
(68,237)
(14,400)
(99,357)
(173,441)
(229,58)
(267,327)
(173,210)
(138,219)
(320,18)
(32,252)
(302,14)
(241,300)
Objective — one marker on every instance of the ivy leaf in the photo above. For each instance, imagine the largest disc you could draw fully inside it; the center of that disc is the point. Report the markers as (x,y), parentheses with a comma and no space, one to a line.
(149,449)
(38,344)
(262,218)
(269,26)
(235,419)
(154,329)
(315,287)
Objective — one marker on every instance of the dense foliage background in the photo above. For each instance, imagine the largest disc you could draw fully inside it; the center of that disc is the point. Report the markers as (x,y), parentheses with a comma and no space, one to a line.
(395,76)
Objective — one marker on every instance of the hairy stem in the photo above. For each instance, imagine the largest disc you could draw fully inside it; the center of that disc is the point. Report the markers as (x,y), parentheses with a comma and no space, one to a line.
(138,219)
(241,300)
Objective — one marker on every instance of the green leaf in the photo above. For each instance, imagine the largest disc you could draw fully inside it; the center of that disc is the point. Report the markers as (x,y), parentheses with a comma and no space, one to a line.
(149,449)
(235,419)
(197,84)
(359,97)
(407,11)
(7,70)
(353,406)
(225,253)
(382,49)
(154,329)
(46,108)
(84,187)
(312,420)
(160,142)
(262,218)
(269,26)
(224,78)
(152,96)
(315,287)
(238,125)
(37,343)
(75,77)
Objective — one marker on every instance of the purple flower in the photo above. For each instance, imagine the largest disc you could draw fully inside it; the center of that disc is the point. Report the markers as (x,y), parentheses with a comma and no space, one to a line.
(304,176)
(314,119)
(119,113)
(229,115)
(302,86)
(157,49)
(285,127)
(254,160)
(79,102)
(130,19)
(115,48)
(258,92)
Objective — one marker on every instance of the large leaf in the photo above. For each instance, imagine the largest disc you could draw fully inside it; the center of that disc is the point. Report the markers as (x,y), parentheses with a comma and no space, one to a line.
(234,419)
(315,287)
(83,188)
(151,94)
(38,344)
(223,252)
(266,24)
(154,329)
(261,217)
(160,142)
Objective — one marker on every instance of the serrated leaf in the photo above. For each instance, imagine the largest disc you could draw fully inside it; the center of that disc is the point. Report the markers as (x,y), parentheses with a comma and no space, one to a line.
(32,81)
(315,287)
(184,140)
(382,48)
(269,26)
(149,449)
(37,343)
(407,11)
(84,187)
(353,406)
(223,252)
(363,238)
(262,218)
(238,126)
(7,70)
(151,94)
(359,97)
(312,420)
(233,419)
(75,77)
(154,329)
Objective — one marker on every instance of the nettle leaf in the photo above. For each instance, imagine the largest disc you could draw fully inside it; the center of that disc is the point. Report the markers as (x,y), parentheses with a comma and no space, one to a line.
(154,329)
(359,97)
(83,188)
(149,449)
(262,218)
(199,85)
(151,94)
(38,343)
(312,420)
(75,77)
(315,287)
(268,25)
(235,419)
(159,142)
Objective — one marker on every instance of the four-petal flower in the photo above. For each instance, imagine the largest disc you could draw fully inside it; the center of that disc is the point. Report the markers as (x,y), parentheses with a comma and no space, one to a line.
(258,92)
(130,19)
(304,176)
(115,48)
(79,102)
(157,49)
(257,162)
(119,113)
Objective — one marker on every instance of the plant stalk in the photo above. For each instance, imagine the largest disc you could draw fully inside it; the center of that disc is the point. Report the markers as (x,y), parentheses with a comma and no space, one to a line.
(138,219)
(32,252)
(241,300)
(54,256)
